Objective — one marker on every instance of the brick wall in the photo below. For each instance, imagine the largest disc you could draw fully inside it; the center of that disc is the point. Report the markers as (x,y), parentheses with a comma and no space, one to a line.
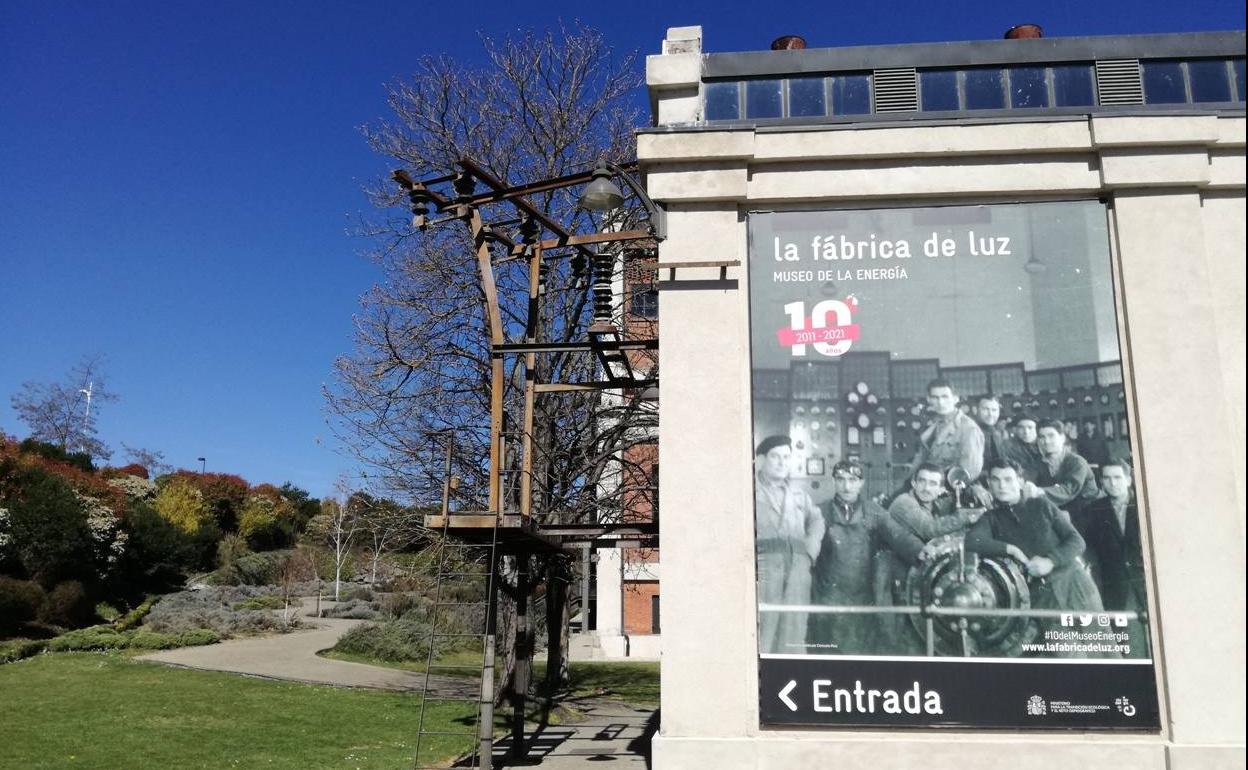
(638,598)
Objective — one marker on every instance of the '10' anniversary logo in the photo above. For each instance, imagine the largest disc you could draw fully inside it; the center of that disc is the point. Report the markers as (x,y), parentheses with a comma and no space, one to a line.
(829,327)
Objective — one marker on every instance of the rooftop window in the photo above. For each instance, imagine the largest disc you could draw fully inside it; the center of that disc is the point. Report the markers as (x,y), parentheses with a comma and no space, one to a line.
(1012,87)
(1073,85)
(798,97)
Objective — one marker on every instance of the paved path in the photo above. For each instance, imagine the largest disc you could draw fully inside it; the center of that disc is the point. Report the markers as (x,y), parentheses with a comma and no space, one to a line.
(612,732)
(293,657)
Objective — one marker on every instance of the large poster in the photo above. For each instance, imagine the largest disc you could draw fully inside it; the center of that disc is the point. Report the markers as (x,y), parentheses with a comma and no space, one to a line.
(945,514)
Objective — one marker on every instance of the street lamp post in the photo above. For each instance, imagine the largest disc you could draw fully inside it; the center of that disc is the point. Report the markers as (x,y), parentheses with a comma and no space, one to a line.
(601,194)
(203,464)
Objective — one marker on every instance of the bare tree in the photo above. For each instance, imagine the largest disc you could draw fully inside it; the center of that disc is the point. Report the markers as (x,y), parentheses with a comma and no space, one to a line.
(151,459)
(64,413)
(388,527)
(337,526)
(546,105)
(297,567)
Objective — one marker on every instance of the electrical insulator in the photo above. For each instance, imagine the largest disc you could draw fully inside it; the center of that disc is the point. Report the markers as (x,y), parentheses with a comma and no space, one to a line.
(530,230)
(603,264)
(464,184)
(420,208)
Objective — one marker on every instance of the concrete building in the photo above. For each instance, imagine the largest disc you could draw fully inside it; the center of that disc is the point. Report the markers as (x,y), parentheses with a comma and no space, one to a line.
(1149,130)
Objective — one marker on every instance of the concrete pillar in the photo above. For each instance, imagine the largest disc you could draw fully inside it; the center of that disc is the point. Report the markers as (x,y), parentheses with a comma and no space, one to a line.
(607,577)
(1186,438)
(708,669)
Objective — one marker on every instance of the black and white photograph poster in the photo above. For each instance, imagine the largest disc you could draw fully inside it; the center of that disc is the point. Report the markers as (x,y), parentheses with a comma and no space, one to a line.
(946,524)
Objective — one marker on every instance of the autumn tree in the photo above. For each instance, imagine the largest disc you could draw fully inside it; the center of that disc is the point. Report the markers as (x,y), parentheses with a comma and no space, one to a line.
(182,505)
(64,413)
(266,519)
(223,493)
(543,106)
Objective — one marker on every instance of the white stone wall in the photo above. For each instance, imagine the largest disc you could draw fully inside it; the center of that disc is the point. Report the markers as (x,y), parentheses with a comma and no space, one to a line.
(1177,189)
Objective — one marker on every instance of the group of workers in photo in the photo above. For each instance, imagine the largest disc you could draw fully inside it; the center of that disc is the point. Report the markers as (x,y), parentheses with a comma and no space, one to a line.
(1028,497)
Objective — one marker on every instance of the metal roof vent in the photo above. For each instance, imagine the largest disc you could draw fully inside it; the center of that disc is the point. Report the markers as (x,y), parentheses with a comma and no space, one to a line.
(895,90)
(1118,82)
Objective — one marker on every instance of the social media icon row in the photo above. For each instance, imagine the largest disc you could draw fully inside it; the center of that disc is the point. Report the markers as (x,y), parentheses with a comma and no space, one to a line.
(1104,620)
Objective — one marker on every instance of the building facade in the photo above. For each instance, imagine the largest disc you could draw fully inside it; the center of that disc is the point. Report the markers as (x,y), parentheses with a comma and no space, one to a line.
(1130,147)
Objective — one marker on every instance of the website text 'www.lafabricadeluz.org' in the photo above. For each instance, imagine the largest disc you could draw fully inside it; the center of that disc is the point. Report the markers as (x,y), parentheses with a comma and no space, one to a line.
(1082,642)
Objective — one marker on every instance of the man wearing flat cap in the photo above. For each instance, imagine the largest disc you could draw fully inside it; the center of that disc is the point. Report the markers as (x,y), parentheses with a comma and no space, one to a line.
(789,529)
(844,572)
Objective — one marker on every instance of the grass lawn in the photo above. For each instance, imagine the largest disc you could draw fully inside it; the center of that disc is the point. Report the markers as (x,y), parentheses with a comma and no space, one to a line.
(471,659)
(104,711)
(630,682)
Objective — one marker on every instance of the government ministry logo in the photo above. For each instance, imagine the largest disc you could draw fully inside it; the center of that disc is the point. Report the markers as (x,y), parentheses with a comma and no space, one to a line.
(1036,707)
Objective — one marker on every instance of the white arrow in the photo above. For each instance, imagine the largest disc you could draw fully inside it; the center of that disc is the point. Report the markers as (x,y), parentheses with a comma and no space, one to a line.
(784,694)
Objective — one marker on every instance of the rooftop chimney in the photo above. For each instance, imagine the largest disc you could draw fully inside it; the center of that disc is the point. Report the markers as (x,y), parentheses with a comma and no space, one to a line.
(1024,31)
(788,43)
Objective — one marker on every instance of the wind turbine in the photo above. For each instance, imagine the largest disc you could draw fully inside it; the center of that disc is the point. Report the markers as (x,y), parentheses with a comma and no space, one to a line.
(86,417)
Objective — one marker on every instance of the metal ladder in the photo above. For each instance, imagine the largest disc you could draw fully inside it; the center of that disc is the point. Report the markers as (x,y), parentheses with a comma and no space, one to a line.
(450,571)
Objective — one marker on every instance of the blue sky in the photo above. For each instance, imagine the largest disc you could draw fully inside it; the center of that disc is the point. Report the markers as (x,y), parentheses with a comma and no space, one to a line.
(178,183)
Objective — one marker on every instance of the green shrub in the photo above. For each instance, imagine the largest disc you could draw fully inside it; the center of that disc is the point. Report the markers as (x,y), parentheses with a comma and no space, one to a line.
(151,640)
(253,569)
(214,608)
(16,649)
(48,526)
(93,638)
(407,639)
(140,639)
(356,609)
(104,638)
(67,605)
(231,549)
(398,605)
(19,601)
(400,641)
(79,460)
(107,612)
(356,593)
(265,602)
(135,616)
(267,519)
(159,551)
(197,637)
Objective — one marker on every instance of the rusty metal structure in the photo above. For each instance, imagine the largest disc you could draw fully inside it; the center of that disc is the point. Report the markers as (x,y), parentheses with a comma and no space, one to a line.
(505,225)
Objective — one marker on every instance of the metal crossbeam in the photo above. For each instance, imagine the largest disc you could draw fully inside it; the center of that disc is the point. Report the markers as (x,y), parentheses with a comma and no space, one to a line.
(575,347)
